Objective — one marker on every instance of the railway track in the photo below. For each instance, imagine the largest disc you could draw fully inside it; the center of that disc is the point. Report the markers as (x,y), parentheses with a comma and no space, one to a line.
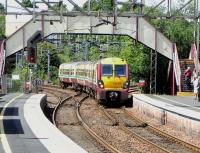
(111,133)
(64,117)
(117,130)
(164,134)
(93,133)
(141,130)
(77,103)
(130,128)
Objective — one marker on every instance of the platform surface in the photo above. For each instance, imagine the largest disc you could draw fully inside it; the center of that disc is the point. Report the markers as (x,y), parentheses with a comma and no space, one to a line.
(25,129)
(186,106)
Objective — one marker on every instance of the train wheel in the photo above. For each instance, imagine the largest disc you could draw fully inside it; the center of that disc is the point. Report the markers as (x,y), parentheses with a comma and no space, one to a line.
(74,86)
(102,102)
(129,101)
(62,85)
(91,93)
(65,85)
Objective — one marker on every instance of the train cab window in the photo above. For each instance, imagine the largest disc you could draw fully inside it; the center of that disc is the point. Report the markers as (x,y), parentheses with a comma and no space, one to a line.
(107,69)
(120,70)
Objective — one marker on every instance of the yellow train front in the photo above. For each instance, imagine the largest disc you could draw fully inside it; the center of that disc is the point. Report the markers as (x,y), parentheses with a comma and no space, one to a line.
(112,80)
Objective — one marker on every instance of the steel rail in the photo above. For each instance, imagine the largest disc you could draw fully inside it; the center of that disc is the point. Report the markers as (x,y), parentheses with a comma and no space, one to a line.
(53,93)
(59,105)
(133,134)
(93,134)
(57,108)
(167,135)
(49,87)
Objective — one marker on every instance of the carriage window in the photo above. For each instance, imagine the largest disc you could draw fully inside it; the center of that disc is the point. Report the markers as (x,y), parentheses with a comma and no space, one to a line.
(107,69)
(120,70)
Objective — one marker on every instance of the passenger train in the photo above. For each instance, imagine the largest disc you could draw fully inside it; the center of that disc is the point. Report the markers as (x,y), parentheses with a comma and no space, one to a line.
(107,79)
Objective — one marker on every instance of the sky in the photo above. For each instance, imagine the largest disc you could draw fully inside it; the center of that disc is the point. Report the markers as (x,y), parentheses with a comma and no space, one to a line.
(12,4)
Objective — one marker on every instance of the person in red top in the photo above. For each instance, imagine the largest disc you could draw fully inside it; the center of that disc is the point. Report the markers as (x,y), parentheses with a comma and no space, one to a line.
(188,74)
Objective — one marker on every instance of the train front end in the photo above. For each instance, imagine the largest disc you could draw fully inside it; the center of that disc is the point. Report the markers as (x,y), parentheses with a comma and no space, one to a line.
(112,80)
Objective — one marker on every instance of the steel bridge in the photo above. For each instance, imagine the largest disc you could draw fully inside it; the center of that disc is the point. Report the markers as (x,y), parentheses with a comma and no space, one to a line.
(76,23)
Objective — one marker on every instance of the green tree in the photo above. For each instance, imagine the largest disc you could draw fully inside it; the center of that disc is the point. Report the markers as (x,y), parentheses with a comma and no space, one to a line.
(97,5)
(27,3)
(42,50)
(179,31)
(2,23)
(2,8)
(2,27)
(58,6)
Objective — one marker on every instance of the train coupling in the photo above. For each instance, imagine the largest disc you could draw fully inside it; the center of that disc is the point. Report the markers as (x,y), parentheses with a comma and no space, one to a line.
(113,95)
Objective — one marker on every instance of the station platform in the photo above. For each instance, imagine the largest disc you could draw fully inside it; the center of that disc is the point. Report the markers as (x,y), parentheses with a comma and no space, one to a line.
(25,129)
(182,112)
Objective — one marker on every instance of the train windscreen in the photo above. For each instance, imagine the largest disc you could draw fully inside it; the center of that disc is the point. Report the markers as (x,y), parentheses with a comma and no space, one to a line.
(120,70)
(107,69)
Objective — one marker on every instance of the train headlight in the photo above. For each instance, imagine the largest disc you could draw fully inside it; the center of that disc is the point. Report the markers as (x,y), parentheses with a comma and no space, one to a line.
(100,84)
(126,84)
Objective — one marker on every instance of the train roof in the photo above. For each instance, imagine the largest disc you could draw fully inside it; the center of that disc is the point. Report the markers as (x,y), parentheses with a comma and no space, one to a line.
(109,60)
(65,65)
(112,60)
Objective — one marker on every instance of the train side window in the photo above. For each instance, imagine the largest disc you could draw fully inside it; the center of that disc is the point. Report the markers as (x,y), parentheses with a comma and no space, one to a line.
(107,69)
(120,70)
(90,74)
(65,71)
(77,71)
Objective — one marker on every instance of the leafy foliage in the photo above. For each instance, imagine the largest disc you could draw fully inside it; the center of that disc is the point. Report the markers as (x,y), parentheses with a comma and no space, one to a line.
(27,3)
(2,23)
(2,8)
(42,59)
(97,5)
(179,32)
(2,27)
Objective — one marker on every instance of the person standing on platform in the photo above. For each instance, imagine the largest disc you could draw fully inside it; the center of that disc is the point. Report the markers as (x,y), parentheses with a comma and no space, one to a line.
(194,75)
(196,87)
(188,75)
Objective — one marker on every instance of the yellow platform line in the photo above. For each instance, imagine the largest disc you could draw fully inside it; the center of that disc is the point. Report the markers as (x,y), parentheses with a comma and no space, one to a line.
(185,94)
